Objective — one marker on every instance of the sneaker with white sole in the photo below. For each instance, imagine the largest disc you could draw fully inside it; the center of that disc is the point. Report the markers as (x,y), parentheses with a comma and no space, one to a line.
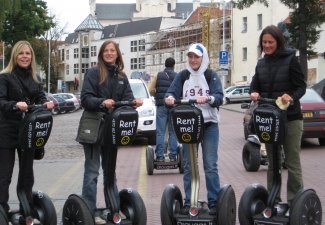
(99,220)
(123,217)
(36,221)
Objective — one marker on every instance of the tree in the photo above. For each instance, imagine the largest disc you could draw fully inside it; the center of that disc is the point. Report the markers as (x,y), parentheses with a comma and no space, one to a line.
(29,22)
(7,7)
(307,15)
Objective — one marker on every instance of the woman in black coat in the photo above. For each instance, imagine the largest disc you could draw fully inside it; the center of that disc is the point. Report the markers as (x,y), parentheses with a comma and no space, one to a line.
(21,67)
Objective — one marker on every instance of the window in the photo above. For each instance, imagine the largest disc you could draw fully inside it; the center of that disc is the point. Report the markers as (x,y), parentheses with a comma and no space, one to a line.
(244,25)
(172,55)
(93,51)
(85,53)
(75,68)
(134,63)
(153,59)
(246,90)
(244,53)
(67,70)
(76,53)
(84,67)
(259,22)
(67,54)
(92,64)
(182,56)
(134,46)
(245,79)
(62,54)
(160,58)
(142,63)
(142,46)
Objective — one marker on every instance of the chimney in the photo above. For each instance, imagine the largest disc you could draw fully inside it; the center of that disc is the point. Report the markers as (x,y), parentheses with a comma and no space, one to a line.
(196,4)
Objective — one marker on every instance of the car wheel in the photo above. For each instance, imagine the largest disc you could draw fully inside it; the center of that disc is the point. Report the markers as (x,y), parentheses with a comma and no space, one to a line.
(321,141)
(55,111)
(152,140)
(227,100)
(245,132)
(251,156)
(62,112)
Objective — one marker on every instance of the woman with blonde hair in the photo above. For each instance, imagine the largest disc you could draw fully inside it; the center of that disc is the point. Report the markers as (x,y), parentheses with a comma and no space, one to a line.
(19,86)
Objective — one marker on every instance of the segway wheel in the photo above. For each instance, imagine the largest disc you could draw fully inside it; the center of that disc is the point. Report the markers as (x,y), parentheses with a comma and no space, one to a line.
(251,156)
(150,160)
(3,216)
(132,206)
(306,210)
(227,208)
(180,159)
(171,203)
(252,202)
(45,208)
(75,211)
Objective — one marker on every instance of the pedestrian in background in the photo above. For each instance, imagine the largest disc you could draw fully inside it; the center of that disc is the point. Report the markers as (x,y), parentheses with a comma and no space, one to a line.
(281,65)
(97,89)
(197,87)
(20,73)
(158,88)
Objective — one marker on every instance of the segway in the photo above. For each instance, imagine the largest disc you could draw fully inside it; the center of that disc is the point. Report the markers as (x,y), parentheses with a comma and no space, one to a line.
(188,126)
(120,127)
(257,206)
(34,131)
(166,164)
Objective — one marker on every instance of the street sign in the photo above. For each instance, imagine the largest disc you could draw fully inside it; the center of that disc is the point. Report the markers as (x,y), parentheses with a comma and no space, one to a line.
(222,72)
(63,87)
(223,57)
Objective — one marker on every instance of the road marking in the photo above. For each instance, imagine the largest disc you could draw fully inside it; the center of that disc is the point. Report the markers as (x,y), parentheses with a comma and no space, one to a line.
(51,191)
(142,186)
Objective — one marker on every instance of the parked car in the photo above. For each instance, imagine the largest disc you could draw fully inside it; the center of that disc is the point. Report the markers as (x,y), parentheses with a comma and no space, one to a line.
(70,96)
(231,88)
(147,112)
(238,94)
(56,108)
(313,110)
(65,105)
(78,95)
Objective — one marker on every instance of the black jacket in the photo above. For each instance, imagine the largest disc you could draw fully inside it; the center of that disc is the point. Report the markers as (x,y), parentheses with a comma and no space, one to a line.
(93,93)
(289,79)
(10,94)
(163,83)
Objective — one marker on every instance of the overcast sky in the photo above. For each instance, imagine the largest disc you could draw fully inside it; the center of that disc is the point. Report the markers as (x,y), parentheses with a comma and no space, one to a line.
(74,12)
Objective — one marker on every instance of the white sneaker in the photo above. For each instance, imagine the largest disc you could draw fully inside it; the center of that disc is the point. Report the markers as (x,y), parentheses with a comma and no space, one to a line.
(123,217)
(99,220)
(36,221)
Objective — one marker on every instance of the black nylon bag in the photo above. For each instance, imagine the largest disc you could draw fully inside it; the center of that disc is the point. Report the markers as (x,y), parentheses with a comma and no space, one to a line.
(121,127)
(90,128)
(35,129)
(270,124)
(188,124)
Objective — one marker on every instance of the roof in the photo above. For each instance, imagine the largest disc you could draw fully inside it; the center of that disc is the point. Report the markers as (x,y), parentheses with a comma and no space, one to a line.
(90,23)
(115,11)
(125,11)
(132,28)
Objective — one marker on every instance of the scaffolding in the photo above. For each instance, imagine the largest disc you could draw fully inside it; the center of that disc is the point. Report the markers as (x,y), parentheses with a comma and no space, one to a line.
(174,42)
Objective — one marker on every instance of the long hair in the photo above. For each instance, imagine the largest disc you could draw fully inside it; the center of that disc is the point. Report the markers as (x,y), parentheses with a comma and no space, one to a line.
(101,63)
(18,47)
(278,36)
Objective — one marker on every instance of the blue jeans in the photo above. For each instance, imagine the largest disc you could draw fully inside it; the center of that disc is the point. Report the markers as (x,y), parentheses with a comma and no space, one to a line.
(91,173)
(210,157)
(162,119)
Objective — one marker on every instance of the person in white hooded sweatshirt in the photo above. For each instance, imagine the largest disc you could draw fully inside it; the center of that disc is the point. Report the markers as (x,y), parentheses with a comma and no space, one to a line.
(196,86)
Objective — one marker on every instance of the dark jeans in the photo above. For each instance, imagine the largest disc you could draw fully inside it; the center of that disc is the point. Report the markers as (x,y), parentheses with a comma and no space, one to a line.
(7,162)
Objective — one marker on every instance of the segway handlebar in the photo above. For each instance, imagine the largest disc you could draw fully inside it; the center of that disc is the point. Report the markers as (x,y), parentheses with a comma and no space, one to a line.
(187,101)
(120,103)
(270,100)
(34,106)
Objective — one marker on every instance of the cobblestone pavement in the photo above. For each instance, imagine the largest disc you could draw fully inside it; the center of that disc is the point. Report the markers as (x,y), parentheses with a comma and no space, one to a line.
(60,173)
